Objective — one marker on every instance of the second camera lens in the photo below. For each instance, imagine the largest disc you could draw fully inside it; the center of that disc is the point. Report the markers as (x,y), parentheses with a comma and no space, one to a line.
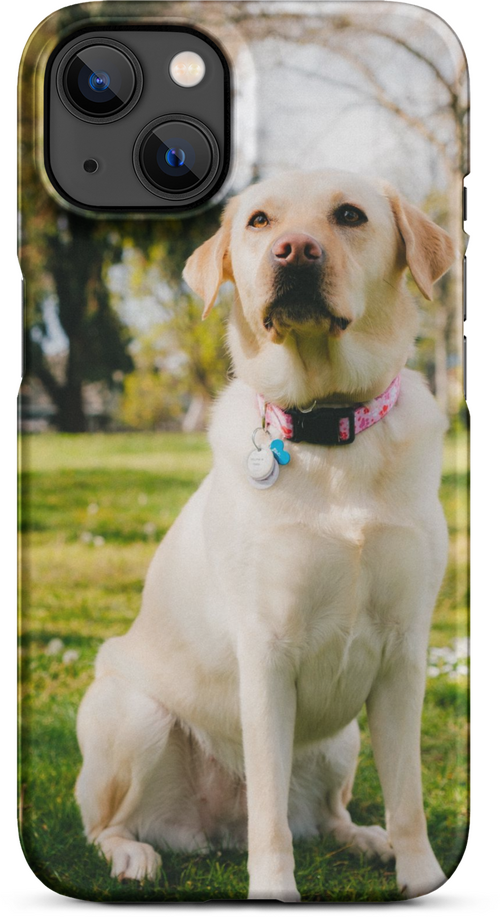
(176,156)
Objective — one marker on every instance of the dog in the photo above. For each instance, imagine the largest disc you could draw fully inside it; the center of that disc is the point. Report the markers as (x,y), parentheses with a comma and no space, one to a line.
(280,603)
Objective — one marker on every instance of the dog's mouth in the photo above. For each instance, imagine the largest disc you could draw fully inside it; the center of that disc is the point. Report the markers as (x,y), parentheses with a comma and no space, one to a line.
(278,321)
(299,304)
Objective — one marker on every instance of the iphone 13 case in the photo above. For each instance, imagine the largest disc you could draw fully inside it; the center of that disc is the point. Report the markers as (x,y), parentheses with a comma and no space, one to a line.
(281,711)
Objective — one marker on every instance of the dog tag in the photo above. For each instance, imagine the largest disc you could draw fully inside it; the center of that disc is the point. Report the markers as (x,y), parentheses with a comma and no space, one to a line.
(258,468)
(260,464)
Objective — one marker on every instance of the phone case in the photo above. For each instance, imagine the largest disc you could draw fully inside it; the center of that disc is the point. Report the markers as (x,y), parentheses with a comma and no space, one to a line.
(251,726)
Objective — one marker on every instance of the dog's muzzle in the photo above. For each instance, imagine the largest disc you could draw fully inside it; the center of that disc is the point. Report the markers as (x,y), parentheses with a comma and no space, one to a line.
(298,260)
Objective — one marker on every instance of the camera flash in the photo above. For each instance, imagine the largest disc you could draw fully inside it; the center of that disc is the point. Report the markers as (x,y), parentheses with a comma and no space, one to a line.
(187,68)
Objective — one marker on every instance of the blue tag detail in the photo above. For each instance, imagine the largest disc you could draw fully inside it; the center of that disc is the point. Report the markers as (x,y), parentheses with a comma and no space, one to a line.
(278,447)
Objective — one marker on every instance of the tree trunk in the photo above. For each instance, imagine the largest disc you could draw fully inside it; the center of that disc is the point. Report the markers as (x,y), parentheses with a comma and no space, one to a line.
(71,417)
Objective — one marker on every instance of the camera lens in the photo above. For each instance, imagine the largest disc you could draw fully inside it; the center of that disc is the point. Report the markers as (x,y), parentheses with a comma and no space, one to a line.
(99,81)
(176,156)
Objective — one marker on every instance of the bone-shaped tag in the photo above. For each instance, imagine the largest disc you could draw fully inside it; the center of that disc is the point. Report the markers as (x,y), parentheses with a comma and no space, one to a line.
(278,448)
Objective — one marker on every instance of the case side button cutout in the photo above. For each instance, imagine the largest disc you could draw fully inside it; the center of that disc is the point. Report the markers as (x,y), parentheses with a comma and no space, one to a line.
(20,329)
(469,236)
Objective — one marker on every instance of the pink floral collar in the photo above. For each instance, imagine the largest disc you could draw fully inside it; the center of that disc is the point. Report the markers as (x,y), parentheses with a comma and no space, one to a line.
(326,425)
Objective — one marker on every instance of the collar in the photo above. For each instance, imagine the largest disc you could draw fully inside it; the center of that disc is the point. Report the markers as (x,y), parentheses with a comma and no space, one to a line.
(326,425)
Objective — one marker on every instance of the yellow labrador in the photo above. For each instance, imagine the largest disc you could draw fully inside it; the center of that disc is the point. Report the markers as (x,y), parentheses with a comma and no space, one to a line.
(272,614)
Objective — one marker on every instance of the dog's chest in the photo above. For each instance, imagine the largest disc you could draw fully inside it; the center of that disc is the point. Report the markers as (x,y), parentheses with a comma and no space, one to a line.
(341,630)
(348,568)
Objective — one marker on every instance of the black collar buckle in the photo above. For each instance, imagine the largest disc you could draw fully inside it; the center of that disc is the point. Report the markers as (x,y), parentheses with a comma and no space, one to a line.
(321,426)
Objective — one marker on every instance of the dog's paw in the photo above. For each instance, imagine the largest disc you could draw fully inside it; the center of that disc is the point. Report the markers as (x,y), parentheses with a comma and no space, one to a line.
(272,879)
(277,893)
(133,860)
(418,875)
(372,841)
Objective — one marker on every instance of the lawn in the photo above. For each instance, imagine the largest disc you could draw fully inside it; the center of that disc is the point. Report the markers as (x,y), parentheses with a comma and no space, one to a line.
(94,508)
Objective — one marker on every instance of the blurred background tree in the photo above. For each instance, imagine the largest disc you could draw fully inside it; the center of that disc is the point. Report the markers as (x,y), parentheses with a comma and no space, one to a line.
(78,252)
(180,365)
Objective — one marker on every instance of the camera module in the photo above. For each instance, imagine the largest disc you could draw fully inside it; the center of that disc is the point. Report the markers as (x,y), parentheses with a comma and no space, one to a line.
(99,80)
(176,157)
(137,118)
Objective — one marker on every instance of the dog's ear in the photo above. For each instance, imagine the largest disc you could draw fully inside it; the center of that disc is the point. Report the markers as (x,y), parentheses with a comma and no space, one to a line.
(210,265)
(429,250)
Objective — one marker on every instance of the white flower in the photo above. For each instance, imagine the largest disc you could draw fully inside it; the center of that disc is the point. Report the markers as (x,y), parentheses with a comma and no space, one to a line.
(92,509)
(70,656)
(86,537)
(449,661)
(99,541)
(149,528)
(54,647)
(461,645)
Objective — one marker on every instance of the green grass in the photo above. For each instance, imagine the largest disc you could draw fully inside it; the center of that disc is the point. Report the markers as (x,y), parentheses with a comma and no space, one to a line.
(94,508)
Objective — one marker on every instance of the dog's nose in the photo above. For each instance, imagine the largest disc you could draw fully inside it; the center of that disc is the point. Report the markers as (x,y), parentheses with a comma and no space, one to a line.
(296,248)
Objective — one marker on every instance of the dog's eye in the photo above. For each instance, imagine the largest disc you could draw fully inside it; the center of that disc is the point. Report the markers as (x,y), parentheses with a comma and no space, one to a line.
(259,220)
(347,215)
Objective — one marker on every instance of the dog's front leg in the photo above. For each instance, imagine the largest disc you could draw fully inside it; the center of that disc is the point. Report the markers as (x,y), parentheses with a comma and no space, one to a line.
(268,704)
(394,712)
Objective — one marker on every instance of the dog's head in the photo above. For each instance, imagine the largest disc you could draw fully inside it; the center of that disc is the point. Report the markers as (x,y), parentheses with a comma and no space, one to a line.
(317,260)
